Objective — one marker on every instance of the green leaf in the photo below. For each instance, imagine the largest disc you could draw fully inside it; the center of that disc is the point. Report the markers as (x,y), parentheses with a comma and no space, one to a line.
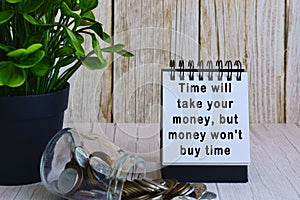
(10,75)
(93,63)
(18,53)
(73,4)
(89,15)
(125,53)
(31,19)
(6,15)
(87,5)
(80,38)
(68,12)
(106,38)
(5,47)
(75,43)
(28,6)
(13,1)
(114,48)
(97,49)
(64,62)
(34,47)
(87,18)
(97,28)
(42,68)
(31,59)
(64,51)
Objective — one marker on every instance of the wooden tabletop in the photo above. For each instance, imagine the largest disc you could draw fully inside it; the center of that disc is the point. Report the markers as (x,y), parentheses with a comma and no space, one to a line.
(273,172)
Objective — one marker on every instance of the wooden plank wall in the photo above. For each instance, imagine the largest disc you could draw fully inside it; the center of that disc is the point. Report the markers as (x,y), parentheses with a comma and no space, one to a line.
(264,35)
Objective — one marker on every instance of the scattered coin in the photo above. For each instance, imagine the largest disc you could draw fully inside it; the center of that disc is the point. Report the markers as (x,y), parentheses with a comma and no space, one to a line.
(87,177)
(200,189)
(171,183)
(208,196)
(155,184)
(86,193)
(183,198)
(180,189)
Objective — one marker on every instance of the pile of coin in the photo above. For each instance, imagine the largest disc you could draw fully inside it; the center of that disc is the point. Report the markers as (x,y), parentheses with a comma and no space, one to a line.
(165,189)
(86,176)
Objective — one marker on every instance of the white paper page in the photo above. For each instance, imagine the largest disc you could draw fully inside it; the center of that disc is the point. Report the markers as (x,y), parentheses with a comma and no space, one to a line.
(193,116)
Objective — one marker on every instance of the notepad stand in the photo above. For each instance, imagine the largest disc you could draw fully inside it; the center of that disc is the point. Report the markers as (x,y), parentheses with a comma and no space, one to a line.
(205,122)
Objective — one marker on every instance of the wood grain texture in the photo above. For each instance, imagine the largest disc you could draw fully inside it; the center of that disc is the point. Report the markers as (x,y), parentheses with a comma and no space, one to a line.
(91,91)
(293,63)
(154,31)
(253,32)
(265,60)
(273,171)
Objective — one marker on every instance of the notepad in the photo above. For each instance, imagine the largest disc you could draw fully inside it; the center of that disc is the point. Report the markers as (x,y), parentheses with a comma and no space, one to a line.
(204,121)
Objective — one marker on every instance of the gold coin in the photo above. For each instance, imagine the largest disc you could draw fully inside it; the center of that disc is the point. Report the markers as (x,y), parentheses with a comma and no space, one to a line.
(147,186)
(189,191)
(160,181)
(181,189)
(132,189)
(85,193)
(175,191)
(142,197)
(171,183)
(129,189)
(141,187)
(200,189)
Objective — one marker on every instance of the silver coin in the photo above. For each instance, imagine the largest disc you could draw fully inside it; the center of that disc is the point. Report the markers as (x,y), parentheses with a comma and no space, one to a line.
(81,157)
(100,168)
(183,198)
(208,196)
(67,181)
(155,185)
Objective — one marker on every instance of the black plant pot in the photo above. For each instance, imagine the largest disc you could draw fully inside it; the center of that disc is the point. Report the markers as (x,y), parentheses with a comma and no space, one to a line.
(27,123)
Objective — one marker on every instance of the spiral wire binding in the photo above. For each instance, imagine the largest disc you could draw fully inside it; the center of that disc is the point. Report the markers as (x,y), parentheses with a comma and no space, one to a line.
(228,64)
(228,67)
(200,69)
(239,73)
(210,66)
(181,66)
(219,64)
(172,65)
(191,67)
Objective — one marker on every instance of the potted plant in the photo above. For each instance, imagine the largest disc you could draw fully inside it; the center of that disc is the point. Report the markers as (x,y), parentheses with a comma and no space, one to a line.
(41,47)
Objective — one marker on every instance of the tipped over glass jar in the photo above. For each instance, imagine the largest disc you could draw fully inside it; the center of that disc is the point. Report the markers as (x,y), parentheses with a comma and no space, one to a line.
(87,166)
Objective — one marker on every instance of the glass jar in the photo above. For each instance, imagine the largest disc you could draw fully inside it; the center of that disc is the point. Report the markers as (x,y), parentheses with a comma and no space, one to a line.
(87,166)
